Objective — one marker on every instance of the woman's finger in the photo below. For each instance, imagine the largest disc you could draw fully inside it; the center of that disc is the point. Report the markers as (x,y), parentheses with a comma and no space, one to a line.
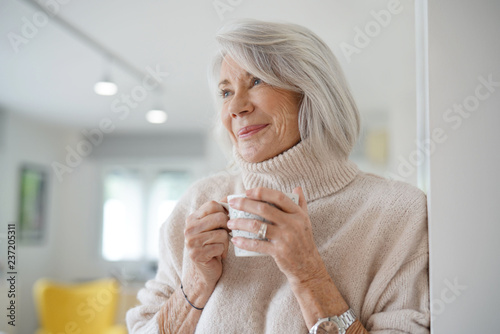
(207,209)
(276,197)
(250,225)
(254,245)
(218,236)
(262,209)
(302,198)
(213,221)
(207,253)
(226,246)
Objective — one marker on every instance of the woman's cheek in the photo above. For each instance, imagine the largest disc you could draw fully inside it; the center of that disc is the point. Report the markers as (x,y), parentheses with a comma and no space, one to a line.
(226,120)
(281,127)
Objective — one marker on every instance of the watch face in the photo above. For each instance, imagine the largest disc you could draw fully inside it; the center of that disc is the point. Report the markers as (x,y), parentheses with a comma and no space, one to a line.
(328,327)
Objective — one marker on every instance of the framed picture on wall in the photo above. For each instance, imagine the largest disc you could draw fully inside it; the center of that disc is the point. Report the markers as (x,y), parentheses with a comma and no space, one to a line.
(33,182)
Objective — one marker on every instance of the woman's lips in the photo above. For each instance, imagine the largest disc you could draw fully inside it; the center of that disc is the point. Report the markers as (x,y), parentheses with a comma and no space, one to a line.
(248,131)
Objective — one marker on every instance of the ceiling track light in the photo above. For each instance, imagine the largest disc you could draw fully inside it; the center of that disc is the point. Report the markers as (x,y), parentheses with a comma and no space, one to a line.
(157,115)
(106,86)
(99,47)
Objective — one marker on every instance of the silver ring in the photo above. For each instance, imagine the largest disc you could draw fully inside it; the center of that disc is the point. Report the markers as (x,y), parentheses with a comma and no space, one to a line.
(262,231)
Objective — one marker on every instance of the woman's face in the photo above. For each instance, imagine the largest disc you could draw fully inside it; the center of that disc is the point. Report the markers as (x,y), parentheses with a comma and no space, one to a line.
(262,120)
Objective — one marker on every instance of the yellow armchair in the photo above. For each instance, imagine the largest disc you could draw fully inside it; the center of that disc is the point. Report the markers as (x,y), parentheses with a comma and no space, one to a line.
(87,308)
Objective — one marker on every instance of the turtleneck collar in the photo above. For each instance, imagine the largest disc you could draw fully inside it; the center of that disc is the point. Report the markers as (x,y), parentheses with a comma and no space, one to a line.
(295,167)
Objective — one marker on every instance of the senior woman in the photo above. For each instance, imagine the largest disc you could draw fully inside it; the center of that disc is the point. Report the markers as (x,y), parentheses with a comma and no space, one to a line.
(351,257)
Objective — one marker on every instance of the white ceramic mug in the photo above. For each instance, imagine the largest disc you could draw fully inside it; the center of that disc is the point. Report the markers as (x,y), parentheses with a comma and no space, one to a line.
(233,214)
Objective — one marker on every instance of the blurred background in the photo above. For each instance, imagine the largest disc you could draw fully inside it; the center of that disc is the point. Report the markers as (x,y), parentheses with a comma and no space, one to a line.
(106,118)
(99,176)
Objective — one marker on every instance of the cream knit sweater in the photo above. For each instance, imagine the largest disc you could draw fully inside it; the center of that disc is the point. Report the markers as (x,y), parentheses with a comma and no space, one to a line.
(371,233)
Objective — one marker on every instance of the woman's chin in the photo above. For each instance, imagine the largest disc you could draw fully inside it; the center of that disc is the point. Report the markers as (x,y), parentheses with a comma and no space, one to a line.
(253,155)
(252,158)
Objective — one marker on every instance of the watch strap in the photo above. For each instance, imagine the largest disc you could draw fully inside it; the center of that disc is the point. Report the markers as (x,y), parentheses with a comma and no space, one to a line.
(343,321)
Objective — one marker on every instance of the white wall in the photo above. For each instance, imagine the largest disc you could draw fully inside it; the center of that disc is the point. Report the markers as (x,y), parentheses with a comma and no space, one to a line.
(464,217)
(70,250)
(402,102)
(27,141)
(388,62)
(79,236)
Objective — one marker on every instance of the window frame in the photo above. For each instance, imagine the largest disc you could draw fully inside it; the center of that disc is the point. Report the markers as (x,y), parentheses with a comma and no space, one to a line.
(149,168)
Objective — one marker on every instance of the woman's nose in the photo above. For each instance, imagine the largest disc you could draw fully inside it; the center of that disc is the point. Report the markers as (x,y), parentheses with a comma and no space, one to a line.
(240,105)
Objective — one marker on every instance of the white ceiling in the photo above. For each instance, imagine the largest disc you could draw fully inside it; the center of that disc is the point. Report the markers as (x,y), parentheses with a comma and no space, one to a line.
(51,77)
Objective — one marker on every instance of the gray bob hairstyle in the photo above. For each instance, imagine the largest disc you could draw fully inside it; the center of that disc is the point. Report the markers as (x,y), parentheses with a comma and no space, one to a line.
(292,57)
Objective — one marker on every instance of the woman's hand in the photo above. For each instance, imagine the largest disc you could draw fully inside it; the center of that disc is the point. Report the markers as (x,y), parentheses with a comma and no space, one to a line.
(291,241)
(291,244)
(207,240)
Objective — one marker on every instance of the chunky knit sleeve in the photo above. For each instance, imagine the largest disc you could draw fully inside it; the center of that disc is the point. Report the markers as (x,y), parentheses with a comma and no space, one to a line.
(143,318)
(404,303)
(399,295)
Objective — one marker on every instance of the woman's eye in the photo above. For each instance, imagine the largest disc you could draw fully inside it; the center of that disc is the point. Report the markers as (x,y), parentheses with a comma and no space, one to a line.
(256,81)
(224,93)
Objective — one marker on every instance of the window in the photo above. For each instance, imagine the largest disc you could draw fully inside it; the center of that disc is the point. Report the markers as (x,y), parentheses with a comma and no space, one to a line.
(136,201)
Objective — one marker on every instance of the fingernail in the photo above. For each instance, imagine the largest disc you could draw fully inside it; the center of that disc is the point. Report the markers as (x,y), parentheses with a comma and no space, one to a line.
(235,241)
(248,192)
(232,201)
(230,224)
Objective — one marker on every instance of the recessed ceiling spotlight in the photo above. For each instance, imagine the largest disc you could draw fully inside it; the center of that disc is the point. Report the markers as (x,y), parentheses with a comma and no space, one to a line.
(156,116)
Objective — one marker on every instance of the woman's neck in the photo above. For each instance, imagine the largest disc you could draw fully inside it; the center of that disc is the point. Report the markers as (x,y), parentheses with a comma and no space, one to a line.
(295,167)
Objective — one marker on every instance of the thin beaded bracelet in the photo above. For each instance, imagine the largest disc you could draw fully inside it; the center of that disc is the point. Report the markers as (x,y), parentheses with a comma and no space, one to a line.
(198,308)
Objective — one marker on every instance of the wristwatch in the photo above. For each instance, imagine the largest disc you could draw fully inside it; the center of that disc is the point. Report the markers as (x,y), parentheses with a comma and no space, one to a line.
(333,325)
